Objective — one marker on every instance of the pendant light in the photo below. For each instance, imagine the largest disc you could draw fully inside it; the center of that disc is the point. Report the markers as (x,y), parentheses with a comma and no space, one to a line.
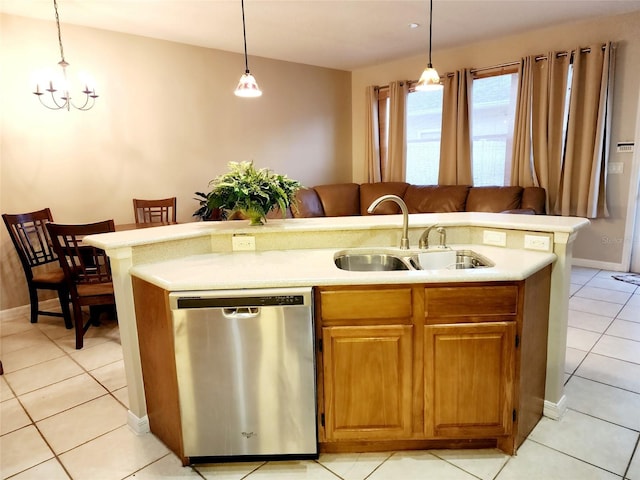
(63,99)
(247,86)
(429,80)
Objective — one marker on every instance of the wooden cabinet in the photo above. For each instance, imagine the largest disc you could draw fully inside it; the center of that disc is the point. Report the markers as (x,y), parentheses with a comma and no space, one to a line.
(437,365)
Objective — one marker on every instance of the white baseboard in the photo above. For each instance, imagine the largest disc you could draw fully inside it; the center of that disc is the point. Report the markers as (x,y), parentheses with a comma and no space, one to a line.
(25,310)
(609,266)
(140,426)
(555,411)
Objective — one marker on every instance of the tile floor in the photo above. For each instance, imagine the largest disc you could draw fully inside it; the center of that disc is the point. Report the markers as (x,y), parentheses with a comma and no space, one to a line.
(63,412)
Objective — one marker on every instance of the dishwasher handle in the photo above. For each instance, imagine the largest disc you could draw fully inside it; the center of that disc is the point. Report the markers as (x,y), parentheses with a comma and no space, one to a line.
(240,312)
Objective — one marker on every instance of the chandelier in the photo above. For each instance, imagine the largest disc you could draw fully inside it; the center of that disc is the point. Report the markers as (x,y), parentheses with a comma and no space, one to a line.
(429,79)
(247,86)
(59,96)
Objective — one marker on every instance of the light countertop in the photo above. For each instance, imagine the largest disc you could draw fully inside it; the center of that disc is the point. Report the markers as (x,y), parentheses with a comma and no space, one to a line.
(316,267)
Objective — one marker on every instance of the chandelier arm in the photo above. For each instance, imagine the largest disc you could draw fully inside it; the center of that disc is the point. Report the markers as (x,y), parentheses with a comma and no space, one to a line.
(88,99)
(53,99)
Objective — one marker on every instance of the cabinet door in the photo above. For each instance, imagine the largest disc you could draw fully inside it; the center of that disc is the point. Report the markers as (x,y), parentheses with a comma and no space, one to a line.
(367,382)
(469,375)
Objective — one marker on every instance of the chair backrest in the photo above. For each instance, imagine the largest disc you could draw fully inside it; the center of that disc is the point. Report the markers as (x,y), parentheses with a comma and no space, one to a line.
(155,211)
(82,263)
(29,235)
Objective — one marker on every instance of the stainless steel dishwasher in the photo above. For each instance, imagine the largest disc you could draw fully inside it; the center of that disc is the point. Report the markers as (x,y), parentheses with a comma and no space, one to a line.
(246,373)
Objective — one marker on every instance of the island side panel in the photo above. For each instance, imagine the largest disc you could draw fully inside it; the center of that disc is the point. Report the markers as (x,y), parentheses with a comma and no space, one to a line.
(157,355)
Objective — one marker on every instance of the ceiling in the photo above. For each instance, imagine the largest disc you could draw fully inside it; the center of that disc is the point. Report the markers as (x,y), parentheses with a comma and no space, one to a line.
(341,34)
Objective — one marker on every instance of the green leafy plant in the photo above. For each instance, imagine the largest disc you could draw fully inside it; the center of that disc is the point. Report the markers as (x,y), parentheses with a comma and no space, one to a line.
(253,192)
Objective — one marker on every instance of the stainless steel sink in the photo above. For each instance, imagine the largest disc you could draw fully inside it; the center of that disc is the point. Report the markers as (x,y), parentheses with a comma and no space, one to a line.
(463,259)
(370,262)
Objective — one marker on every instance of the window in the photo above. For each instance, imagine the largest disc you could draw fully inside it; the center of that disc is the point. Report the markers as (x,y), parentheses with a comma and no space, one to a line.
(492,120)
(424,125)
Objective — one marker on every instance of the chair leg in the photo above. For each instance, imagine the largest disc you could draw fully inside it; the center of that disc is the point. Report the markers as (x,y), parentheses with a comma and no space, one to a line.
(79,324)
(63,295)
(33,299)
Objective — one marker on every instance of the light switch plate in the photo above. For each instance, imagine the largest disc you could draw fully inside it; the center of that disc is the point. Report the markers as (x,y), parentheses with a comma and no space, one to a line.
(536,242)
(615,167)
(243,243)
(491,237)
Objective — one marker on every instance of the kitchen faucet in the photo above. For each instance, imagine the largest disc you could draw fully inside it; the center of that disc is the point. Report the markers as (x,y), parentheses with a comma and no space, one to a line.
(404,241)
(423,243)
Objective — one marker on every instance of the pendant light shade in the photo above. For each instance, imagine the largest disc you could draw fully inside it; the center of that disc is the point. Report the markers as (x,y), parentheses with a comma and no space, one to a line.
(247,86)
(429,80)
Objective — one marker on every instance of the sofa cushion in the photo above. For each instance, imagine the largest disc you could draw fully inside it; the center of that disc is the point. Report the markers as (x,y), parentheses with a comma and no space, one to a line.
(339,199)
(436,198)
(370,191)
(493,199)
(308,204)
(534,198)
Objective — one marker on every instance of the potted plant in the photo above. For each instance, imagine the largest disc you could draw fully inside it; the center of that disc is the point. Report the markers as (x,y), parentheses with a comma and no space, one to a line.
(250,191)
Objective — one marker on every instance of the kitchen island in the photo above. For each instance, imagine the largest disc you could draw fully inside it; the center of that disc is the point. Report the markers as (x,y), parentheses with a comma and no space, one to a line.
(300,251)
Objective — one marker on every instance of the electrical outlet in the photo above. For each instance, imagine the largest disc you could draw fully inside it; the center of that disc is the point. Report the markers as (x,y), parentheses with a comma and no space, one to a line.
(491,237)
(616,167)
(536,242)
(243,243)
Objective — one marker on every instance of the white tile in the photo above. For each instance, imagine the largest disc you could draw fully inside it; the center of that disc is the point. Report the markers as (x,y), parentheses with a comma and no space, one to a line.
(589,321)
(122,395)
(630,312)
(606,295)
(92,357)
(29,356)
(611,283)
(625,329)
(634,468)
(484,464)
(18,325)
(111,376)
(597,307)
(418,466)
(572,359)
(291,470)
(47,401)
(53,327)
(537,462)
(21,450)
(581,339)
(168,467)
(619,348)
(49,470)
(29,338)
(611,371)
(228,471)
(5,391)
(353,466)
(42,374)
(635,299)
(573,288)
(603,401)
(12,416)
(93,337)
(580,277)
(90,420)
(589,439)
(114,455)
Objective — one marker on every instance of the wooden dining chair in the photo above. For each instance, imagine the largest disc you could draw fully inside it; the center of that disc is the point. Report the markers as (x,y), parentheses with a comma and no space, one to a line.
(155,211)
(39,262)
(86,269)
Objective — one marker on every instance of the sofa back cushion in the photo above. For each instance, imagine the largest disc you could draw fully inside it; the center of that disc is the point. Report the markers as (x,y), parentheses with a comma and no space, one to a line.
(534,198)
(370,191)
(493,199)
(308,204)
(436,198)
(339,199)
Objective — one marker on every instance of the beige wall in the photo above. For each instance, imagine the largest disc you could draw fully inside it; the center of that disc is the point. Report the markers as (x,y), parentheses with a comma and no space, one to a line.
(165,124)
(603,241)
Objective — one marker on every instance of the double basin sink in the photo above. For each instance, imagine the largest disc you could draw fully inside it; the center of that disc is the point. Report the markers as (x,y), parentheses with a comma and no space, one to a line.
(382,260)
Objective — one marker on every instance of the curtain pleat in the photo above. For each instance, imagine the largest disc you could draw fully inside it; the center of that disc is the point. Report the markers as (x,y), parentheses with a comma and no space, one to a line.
(455,143)
(372,136)
(397,153)
(521,157)
(583,180)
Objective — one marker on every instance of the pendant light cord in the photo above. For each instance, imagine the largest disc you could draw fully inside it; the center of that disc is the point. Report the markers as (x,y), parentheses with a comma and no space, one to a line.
(55,6)
(244,36)
(430,29)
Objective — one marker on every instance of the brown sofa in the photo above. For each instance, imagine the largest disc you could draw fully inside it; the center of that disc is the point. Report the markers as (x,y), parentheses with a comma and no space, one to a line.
(346,199)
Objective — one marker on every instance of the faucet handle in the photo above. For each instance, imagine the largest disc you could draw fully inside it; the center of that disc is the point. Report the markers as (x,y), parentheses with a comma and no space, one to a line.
(443,237)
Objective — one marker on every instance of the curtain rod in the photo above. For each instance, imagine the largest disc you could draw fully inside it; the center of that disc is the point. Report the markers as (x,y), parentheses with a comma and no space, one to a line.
(511,64)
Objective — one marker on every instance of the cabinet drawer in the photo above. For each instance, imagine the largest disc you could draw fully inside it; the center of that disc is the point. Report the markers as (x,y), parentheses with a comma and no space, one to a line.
(471,304)
(366,304)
